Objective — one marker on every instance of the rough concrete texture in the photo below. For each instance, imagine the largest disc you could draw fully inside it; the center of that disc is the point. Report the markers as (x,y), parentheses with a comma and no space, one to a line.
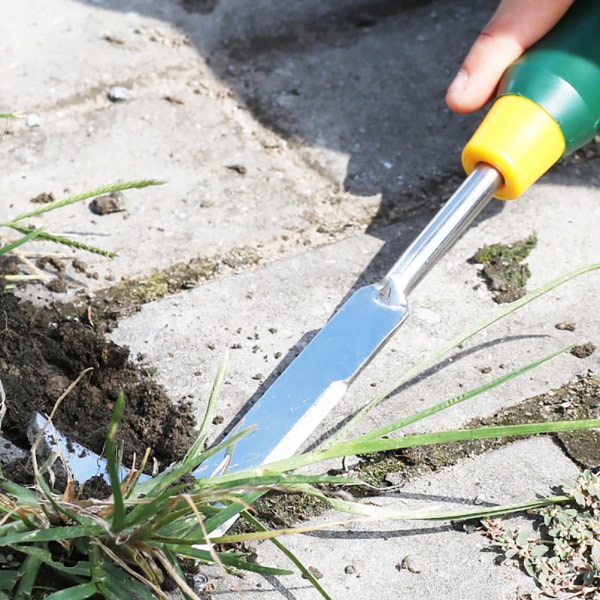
(313,137)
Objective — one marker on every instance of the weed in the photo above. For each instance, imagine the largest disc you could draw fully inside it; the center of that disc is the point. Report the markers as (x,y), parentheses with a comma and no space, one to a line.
(562,551)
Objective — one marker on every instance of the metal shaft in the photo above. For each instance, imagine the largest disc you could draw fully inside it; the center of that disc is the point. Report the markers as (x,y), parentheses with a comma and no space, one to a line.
(441,233)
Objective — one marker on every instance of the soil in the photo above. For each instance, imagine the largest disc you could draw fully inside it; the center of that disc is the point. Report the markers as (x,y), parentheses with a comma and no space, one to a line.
(43,352)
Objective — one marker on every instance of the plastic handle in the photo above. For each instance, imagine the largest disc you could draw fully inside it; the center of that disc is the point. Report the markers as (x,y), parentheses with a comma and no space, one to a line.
(561,73)
(548,104)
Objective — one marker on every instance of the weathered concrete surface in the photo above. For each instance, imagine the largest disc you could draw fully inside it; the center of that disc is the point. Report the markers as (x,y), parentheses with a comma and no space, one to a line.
(313,139)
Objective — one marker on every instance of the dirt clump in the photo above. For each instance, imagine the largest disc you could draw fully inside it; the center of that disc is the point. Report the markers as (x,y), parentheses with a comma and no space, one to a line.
(42,353)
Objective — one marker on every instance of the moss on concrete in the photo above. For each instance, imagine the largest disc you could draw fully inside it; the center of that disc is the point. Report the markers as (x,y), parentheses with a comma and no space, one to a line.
(503,268)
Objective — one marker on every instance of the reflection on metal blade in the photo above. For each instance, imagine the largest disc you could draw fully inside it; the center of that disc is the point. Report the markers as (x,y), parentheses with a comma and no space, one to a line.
(82,463)
(309,388)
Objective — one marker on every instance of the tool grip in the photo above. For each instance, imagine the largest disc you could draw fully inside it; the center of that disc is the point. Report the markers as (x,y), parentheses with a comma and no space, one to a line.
(548,103)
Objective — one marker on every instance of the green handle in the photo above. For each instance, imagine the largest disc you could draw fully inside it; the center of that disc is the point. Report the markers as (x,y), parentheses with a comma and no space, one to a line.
(561,73)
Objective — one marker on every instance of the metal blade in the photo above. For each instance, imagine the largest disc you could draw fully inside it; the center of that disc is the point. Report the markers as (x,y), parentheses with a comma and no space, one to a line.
(81,462)
(292,408)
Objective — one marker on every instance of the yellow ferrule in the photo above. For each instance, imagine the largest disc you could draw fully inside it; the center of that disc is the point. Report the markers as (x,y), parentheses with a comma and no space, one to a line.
(519,139)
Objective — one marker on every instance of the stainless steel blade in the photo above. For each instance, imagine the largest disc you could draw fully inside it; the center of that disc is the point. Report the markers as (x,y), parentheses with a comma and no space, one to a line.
(81,462)
(310,387)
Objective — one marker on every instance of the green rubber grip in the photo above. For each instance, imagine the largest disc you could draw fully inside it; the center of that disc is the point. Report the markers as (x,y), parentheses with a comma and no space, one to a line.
(561,73)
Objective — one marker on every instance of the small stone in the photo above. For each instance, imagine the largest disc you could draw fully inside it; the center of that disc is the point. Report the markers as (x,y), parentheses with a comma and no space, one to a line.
(315,572)
(583,350)
(408,564)
(565,326)
(117,94)
(109,203)
(33,120)
(79,265)
(173,99)
(350,570)
(203,585)
(43,198)
(238,168)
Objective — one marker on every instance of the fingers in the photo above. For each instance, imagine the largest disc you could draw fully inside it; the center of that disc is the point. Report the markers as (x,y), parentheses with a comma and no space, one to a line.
(515,26)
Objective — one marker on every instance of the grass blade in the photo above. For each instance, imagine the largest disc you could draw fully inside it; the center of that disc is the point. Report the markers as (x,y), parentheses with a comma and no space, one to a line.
(108,189)
(345,431)
(58,239)
(352,448)
(76,592)
(32,234)
(113,464)
(229,559)
(397,425)
(198,445)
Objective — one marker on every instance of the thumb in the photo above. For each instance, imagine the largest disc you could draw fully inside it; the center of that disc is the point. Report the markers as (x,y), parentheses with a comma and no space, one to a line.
(515,26)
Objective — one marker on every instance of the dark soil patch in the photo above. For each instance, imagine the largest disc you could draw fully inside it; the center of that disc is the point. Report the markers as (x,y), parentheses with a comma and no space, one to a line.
(578,399)
(42,353)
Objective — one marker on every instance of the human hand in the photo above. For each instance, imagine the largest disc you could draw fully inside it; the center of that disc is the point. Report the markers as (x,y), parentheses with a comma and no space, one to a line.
(515,26)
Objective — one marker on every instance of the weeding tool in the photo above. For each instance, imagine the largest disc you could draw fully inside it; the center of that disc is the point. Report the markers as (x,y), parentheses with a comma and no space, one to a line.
(548,105)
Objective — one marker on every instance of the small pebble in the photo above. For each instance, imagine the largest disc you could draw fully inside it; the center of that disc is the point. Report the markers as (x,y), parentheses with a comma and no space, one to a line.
(33,120)
(315,572)
(238,168)
(565,326)
(117,94)
(43,198)
(203,585)
(79,265)
(109,203)
(583,350)
(408,564)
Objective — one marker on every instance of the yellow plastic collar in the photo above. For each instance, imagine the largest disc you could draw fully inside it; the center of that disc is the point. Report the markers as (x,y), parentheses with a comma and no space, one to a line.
(520,139)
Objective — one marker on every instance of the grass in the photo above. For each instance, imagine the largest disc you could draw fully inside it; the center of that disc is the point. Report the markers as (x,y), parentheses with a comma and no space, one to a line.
(133,543)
